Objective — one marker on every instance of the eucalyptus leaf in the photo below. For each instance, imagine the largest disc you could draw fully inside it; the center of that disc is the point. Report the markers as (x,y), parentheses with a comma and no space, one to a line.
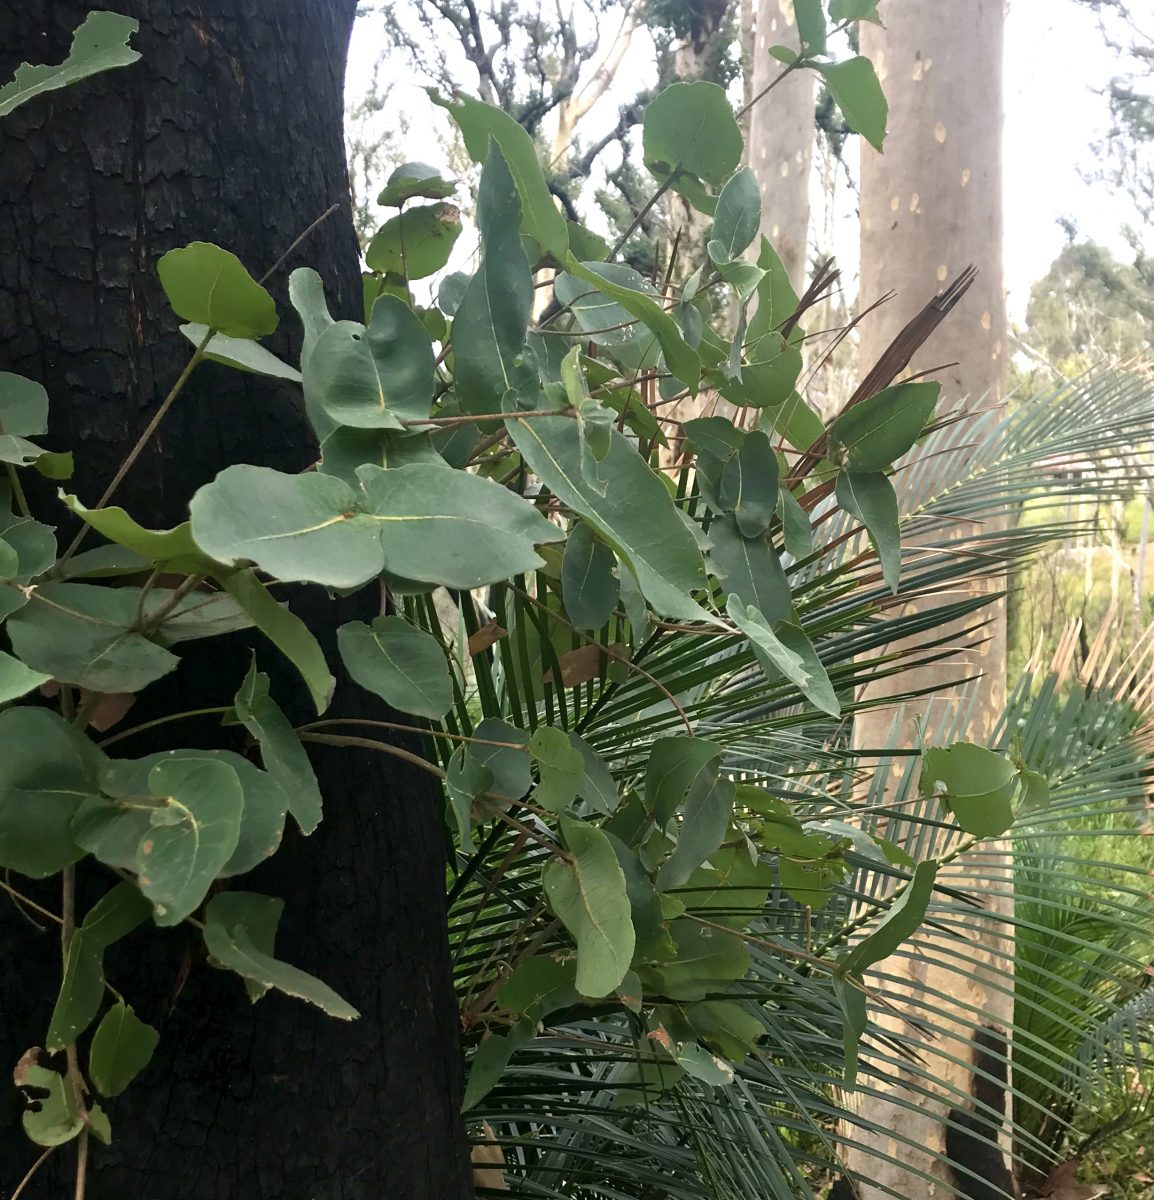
(281,751)
(690,128)
(242,354)
(854,86)
(736,218)
(194,832)
(979,786)
(635,514)
(100,43)
(748,486)
(211,287)
(47,768)
(402,664)
(228,935)
(587,891)
(416,243)
(560,765)
(52,1119)
(479,123)
(873,435)
(115,915)
(83,634)
(377,376)
(121,1048)
(750,568)
(413,179)
(589,583)
(869,496)
(16,679)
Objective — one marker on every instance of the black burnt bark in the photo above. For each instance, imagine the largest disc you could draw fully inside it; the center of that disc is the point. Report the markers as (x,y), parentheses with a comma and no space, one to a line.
(228,130)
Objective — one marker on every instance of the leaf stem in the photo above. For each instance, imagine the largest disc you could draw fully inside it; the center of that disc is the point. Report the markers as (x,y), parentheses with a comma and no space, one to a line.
(180,716)
(18,495)
(28,902)
(32,1171)
(645,210)
(141,442)
(399,727)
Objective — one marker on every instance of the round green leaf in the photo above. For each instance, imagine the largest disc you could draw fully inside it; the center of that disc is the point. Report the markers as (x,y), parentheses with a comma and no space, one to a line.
(23,406)
(46,769)
(873,435)
(403,665)
(194,831)
(211,287)
(690,127)
(589,584)
(375,377)
(416,243)
(415,179)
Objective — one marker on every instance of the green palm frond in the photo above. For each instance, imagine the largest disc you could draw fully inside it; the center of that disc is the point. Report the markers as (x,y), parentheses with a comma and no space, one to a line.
(570,1110)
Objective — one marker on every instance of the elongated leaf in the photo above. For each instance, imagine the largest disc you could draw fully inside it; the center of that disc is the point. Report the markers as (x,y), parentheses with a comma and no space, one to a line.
(111,918)
(750,568)
(597,787)
(173,547)
(100,43)
(242,354)
(307,293)
(403,665)
(286,631)
(856,91)
(708,811)
(736,218)
(869,496)
(674,763)
(680,357)
(416,243)
(588,894)
(121,1048)
(228,934)
(874,434)
(795,525)
(374,377)
(491,1058)
(900,923)
(479,122)
(210,286)
(281,751)
(635,515)
(493,315)
(810,25)
(46,769)
(748,486)
(589,585)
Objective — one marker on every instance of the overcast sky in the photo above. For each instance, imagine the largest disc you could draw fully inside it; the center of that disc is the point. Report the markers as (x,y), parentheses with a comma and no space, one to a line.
(1055,62)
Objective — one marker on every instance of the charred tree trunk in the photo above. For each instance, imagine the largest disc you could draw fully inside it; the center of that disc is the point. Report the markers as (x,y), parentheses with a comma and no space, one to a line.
(227,130)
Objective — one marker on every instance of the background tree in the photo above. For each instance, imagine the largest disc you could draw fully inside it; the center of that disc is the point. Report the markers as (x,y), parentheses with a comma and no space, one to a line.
(781,136)
(229,128)
(929,207)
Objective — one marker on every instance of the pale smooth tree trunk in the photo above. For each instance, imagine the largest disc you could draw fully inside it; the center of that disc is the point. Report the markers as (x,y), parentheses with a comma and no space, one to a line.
(781,136)
(930,206)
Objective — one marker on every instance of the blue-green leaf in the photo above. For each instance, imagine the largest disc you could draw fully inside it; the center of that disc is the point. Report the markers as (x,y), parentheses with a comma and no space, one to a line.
(403,665)
(869,496)
(589,584)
